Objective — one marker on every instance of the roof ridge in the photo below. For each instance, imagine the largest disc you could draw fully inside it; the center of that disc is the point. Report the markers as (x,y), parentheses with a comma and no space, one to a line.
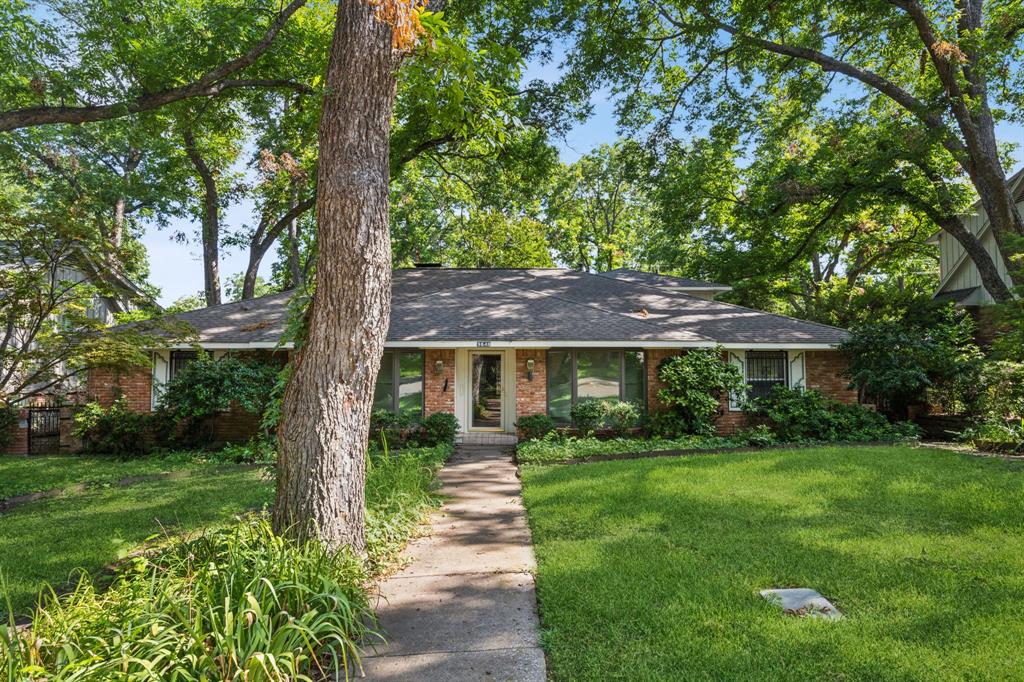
(606,274)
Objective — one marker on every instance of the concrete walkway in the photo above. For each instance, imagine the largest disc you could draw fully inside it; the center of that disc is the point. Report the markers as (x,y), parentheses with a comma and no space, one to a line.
(465,608)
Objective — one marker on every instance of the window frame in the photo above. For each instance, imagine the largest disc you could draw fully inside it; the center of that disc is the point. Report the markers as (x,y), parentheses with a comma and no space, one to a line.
(574,374)
(191,355)
(396,378)
(779,355)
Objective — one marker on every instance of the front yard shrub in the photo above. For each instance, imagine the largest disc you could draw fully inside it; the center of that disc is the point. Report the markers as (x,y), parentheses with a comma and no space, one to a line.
(535,426)
(695,385)
(388,429)
(799,416)
(204,388)
(439,428)
(621,416)
(895,363)
(116,430)
(588,416)
(615,415)
(232,604)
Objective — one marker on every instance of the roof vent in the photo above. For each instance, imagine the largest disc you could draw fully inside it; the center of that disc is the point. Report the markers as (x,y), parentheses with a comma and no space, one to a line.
(426,265)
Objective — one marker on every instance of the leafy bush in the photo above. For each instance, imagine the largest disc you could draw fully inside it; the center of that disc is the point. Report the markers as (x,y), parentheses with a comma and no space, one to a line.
(1003,390)
(535,426)
(995,435)
(8,426)
(116,430)
(760,436)
(621,416)
(388,429)
(233,604)
(894,363)
(206,387)
(695,384)
(798,415)
(439,428)
(588,416)
(666,425)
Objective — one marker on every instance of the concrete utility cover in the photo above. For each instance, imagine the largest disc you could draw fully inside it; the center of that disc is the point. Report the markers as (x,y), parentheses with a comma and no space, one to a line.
(801,601)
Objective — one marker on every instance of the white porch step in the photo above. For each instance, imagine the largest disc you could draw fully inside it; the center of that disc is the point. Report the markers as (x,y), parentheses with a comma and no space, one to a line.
(486,438)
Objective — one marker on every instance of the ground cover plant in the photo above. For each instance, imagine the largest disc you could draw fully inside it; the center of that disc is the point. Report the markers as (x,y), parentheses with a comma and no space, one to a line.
(207,604)
(557,448)
(651,567)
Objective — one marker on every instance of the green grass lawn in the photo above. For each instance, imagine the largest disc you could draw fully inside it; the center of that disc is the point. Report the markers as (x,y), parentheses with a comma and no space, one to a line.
(650,569)
(20,475)
(47,541)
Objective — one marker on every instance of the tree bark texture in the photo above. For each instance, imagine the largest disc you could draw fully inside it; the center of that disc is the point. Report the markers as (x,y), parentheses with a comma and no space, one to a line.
(210,222)
(326,411)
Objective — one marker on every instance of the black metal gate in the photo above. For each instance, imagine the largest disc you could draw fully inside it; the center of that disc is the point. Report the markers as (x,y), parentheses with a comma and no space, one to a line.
(43,430)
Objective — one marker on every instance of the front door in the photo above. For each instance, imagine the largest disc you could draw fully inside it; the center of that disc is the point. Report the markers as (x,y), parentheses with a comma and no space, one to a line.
(485,395)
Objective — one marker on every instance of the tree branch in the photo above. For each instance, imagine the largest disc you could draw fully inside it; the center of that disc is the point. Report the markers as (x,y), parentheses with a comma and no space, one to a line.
(209,85)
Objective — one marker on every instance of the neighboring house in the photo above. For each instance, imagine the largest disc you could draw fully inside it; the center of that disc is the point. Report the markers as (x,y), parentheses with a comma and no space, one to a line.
(959,280)
(491,346)
(41,426)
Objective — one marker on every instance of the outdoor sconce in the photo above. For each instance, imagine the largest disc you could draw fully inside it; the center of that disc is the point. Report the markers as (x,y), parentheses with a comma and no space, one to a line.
(529,370)
(438,366)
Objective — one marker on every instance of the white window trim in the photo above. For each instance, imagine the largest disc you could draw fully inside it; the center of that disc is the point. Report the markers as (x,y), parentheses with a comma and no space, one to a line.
(796,374)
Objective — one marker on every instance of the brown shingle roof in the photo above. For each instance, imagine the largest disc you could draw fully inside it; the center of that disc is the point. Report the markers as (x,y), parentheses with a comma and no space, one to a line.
(536,305)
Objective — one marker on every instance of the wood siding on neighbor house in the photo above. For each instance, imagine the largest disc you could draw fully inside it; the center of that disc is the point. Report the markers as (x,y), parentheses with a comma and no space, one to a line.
(958,272)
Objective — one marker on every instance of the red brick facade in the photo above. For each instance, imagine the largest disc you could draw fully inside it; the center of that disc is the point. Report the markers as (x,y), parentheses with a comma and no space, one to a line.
(439,389)
(824,372)
(652,358)
(531,394)
(107,385)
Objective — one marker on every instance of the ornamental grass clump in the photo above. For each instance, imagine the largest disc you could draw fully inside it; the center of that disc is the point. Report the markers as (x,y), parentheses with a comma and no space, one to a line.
(232,604)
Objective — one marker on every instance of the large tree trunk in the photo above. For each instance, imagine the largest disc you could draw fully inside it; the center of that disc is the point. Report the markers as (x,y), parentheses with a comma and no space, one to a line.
(326,411)
(210,222)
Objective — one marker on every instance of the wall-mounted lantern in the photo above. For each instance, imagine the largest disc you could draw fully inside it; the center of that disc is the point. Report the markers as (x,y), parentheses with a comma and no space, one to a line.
(529,369)
(438,367)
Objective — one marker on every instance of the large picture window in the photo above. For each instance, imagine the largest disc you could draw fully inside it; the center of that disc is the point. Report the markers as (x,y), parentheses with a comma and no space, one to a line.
(399,386)
(593,374)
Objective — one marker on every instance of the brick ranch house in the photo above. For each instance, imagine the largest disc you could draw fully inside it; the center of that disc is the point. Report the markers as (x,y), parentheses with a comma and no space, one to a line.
(493,345)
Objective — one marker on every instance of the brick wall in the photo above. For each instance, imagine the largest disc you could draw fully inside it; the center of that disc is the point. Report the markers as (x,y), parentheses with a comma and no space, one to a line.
(439,389)
(652,358)
(824,369)
(107,385)
(531,395)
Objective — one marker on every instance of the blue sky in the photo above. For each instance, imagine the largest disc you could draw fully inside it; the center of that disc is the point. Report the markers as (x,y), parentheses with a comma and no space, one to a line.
(177,269)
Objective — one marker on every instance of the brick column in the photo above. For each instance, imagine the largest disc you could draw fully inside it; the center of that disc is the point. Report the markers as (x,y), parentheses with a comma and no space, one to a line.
(531,395)
(436,396)
(19,444)
(652,358)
